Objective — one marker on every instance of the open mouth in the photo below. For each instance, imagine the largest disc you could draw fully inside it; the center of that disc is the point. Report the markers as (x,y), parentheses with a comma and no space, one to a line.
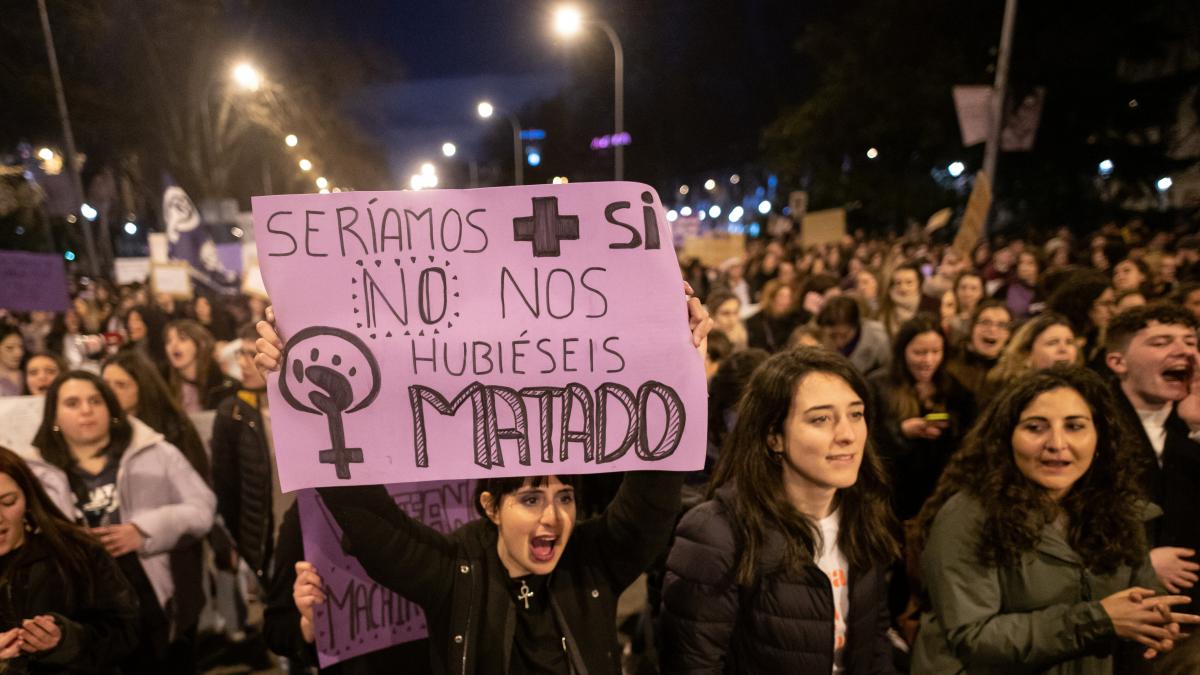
(1180,374)
(541,549)
(1055,464)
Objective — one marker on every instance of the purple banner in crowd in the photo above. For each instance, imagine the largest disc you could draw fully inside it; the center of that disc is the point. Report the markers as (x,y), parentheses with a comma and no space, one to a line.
(360,616)
(32,281)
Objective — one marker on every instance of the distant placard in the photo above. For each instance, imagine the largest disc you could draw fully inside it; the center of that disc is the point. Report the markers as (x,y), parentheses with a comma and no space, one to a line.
(712,250)
(823,227)
(32,281)
(975,217)
(20,417)
(172,278)
(132,270)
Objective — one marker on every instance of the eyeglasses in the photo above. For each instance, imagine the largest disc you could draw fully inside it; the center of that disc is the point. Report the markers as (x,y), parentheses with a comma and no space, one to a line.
(988,323)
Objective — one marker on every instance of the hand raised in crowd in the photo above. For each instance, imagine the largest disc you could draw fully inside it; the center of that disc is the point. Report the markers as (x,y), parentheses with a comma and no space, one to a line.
(699,322)
(1138,614)
(10,644)
(919,427)
(1173,569)
(39,634)
(306,592)
(119,539)
(1189,407)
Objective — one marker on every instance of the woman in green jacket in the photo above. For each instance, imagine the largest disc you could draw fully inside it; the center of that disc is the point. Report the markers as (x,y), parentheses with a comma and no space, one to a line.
(1033,553)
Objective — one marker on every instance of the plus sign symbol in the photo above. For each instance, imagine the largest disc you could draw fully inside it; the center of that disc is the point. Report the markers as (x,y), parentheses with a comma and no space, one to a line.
(545,228)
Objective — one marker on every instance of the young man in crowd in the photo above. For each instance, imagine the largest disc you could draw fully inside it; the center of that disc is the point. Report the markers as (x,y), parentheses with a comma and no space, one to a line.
(1152,351)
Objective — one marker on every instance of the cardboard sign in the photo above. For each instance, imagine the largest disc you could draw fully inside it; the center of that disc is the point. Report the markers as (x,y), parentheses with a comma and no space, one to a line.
(359,615)
(32,281)
(20,417)
(975,217)
(438,335)
(712,250)
(172,278)
(823,227)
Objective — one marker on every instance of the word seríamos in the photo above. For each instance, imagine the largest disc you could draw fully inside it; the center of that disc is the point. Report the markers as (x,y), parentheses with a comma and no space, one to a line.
(374,231)
(653,402)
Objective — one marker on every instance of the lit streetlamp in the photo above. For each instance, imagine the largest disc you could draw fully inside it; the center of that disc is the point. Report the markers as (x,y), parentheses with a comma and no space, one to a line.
(305,165)
(568,22)
(247,76)
(448,149)
(486,110)
(291,140)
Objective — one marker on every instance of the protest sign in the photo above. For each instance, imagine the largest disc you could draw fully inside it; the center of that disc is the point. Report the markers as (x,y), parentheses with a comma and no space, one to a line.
(823,227)
(435,335)
(713,249)
(20,417)
(360,616)
(172,278)
(975,217)
(32,281)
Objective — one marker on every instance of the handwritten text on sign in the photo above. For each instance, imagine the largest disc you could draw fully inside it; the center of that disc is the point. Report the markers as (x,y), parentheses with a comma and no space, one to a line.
(465,333)
(359,615)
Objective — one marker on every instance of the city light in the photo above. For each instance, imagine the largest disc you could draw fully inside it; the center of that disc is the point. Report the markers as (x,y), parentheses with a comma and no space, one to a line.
(88,211)
(534,158)
(685,211)
(567,20)
(956,169)
(735,179)
(683,189)
(322,182)
(672,216)
(305,165)
(714,211)
(428,169)
(485,109)
(710,185)
(764,207)
(560,180)
(69,255)
(736,214)
(291,140)
(247,76)
(872,153)
(1106,167)
(448,149)
(323,191)
(700,214)
(1164,183)
(130,228)
(45,154)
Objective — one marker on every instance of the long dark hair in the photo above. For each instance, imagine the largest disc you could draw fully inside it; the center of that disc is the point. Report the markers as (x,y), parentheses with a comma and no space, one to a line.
(160,411)
(156,322)
(205,365)
(1102,508)
(51,442)
(761,503)
(66,541)
(902,399)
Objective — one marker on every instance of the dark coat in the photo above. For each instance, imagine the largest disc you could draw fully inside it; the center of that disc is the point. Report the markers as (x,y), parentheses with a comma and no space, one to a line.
(784,623)
(772,333)
(241,462)
(98,614)
(461,584)
(1174,487)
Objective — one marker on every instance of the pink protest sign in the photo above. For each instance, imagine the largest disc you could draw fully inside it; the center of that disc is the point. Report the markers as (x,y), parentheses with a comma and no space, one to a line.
(449,334)
(360,616)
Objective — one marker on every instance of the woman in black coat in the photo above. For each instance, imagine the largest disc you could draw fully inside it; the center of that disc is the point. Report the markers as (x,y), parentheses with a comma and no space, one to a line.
(782,569)
(65,606)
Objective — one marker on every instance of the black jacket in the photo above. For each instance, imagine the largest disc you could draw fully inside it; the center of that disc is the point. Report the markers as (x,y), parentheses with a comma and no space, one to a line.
(98,614)
(784,623)
(241,462)
(461,584)
(281,619)
(1174,487)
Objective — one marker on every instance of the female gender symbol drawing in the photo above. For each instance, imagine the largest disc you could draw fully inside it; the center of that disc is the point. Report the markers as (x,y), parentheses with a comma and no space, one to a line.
(330,365)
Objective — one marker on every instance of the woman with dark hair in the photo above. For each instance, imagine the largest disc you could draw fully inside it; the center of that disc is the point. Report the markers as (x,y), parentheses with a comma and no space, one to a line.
(782,570)
(12,355)
(902,297)
(863,341)
(726,311)
(40,371)
(1033,549)
(987,335)
(142,393)
(1133,274)
(144,329)
(1021,295)
(1086,298)
(523,589)
(141,499)
(777,317)
(214,318)
(196,381)
(66,607)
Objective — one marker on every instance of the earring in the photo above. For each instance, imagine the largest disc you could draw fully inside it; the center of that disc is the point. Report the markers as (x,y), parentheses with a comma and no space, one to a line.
(115,421)
(55,428)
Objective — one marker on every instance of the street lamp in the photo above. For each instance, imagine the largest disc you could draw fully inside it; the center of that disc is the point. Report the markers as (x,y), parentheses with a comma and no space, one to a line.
(448,149)
(305,165)
(486,110)
(291,140)
(322,182)
(247,76)
(568,22)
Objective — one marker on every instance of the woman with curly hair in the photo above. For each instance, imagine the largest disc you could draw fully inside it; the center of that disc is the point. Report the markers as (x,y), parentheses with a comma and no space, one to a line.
(1033,550)
(782,570)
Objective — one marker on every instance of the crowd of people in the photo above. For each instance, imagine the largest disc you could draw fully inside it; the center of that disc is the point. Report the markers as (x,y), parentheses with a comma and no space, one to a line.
(920,459)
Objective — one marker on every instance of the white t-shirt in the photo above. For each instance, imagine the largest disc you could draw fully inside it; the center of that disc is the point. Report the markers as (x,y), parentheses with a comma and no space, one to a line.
(834,565)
